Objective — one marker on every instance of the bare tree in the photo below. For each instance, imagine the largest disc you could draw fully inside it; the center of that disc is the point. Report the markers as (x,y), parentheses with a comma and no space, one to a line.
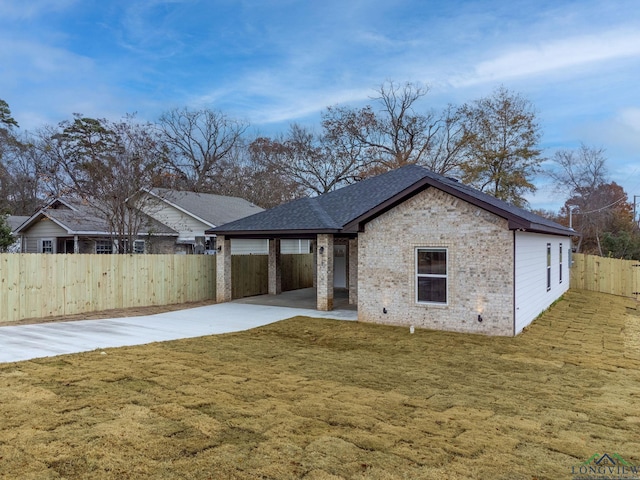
(582,177)
(395,134)
(314,163)
(197,142)
(7,141)
(24,164)
(247,175)
(579,171)
(103,163)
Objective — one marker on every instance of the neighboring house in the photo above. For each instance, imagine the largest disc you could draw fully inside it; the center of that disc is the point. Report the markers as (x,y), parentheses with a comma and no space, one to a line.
(417,248)
(14,222)
(70,226)
(190,214)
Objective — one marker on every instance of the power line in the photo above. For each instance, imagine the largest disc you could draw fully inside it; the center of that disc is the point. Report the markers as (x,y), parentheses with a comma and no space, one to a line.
(602,208)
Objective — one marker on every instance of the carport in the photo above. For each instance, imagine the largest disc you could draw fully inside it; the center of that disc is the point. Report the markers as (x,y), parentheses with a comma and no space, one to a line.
(301,298)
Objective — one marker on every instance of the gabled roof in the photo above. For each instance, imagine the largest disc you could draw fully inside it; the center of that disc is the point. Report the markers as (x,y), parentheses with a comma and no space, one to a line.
(78,218)
(210,209)
(347,210)
(14,221)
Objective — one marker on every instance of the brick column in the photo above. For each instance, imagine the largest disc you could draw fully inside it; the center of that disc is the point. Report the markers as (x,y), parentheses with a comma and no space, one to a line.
(223,270)
(275,273)
(324,266)
(353,271)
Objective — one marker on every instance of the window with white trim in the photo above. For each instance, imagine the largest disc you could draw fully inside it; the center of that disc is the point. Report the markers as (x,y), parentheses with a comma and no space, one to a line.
(138,246)
(560,263)
(46,246)
(548,267)
(431,275)
(104,246)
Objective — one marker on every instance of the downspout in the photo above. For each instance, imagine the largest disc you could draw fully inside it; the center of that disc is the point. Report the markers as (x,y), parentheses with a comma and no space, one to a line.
(514,283)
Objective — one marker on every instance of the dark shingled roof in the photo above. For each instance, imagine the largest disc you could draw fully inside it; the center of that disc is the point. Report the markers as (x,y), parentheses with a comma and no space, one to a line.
(348,209)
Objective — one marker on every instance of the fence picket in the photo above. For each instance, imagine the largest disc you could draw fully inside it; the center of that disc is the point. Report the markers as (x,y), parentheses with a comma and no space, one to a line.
(605,275)
(41,285)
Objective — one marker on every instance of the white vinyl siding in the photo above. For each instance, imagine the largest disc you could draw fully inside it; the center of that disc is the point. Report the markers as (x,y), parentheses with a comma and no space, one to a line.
(188,228)
(531,273)
(249,246)
(299,245)
(42,229)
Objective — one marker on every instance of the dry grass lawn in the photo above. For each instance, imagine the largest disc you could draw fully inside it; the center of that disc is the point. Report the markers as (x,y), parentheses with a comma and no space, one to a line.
(322,399)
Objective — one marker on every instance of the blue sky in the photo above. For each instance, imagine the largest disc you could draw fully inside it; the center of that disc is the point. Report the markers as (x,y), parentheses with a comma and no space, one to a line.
(276,62)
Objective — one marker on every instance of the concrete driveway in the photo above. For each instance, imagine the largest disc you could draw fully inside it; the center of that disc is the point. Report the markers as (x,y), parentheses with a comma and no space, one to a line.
(25,342)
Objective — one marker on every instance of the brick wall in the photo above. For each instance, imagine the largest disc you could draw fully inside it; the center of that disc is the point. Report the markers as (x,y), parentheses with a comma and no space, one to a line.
(480,266)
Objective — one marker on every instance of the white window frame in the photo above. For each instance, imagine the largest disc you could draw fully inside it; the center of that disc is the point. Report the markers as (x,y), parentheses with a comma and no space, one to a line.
(548,267)
(136,247)
(431,275)
(560,263)
(102,244)
(42,247)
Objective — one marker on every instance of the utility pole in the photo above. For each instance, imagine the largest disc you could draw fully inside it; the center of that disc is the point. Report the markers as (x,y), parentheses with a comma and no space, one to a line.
(571,207)
(635,202)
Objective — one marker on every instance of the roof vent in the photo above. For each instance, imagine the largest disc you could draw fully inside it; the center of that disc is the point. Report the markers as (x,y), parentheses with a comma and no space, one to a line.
(453,179)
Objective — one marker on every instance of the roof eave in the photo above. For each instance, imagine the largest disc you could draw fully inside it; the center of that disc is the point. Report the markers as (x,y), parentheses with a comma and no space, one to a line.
(301,233)
(539,228)
(515,222)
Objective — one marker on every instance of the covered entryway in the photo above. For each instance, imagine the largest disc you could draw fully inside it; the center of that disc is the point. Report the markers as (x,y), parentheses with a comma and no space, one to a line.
(331,254)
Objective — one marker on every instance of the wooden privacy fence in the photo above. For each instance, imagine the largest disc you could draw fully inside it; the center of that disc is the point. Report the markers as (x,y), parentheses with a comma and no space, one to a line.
(40,285)
(605,275)
(250,273)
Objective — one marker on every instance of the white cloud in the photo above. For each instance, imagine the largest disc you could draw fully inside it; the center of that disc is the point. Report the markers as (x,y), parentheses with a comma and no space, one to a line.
(630,117)
(19,10)
(559,55)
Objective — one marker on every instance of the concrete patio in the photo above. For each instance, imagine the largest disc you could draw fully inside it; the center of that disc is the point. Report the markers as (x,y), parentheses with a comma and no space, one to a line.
(301,298)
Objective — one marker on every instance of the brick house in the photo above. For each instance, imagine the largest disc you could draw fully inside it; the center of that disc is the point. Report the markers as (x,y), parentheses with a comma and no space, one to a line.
(419,249)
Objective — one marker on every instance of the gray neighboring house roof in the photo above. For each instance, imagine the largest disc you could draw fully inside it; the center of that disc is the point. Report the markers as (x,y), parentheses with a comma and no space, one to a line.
(14,221)
(347,210)
(82,219)
(212,209)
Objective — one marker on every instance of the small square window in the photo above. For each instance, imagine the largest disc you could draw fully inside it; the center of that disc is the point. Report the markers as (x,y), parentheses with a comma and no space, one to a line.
(47,246)
(138,246)
(104,246)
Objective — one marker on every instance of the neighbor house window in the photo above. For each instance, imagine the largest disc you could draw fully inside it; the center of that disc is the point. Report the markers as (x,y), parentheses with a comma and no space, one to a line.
(104,246)
(47,246)
(431,275)
(548,267)
(560,263)
(138,246)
